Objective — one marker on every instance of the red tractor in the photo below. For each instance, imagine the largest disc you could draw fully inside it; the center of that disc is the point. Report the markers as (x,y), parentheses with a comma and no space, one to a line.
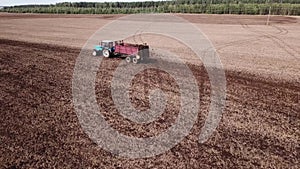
(133,52)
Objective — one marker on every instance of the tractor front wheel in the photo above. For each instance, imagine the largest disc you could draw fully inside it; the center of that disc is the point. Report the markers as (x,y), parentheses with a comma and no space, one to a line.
(106,53)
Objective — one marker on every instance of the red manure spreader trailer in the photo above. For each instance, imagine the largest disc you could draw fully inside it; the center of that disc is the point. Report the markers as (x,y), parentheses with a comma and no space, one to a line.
(133,52)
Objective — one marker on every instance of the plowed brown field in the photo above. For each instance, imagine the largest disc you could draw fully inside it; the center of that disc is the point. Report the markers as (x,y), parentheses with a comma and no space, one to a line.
(260,127)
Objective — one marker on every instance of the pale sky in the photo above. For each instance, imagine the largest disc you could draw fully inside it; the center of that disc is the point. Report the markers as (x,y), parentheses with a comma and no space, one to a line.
(21,2)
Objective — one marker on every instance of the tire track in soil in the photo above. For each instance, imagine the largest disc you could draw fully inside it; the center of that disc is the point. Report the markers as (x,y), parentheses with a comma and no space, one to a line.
(44,126)
(137,37)
(279,42)
(281,31)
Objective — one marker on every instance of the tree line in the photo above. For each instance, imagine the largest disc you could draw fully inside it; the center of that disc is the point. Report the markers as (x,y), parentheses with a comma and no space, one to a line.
(252,7)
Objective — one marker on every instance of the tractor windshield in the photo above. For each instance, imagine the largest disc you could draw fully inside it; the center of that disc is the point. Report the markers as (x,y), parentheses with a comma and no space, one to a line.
(107,44)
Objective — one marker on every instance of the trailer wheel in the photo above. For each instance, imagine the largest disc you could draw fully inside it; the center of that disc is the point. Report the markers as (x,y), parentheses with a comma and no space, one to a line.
(135,60)
(128,59)
(95,53)
(105,53)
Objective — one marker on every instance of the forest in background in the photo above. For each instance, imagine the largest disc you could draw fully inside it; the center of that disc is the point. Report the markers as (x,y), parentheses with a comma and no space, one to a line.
(248,7)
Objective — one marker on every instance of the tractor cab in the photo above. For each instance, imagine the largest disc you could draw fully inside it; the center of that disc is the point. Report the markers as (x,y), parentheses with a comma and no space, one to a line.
(107,44)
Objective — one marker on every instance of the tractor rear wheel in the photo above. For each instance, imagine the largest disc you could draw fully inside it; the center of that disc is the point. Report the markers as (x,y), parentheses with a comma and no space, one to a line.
(106,53)
(135,60)
(128,59)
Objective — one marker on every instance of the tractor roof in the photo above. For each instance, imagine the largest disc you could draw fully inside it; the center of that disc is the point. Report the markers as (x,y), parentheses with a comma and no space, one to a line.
(107,41)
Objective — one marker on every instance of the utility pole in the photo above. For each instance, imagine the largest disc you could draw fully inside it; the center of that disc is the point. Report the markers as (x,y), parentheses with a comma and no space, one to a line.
(269,15)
